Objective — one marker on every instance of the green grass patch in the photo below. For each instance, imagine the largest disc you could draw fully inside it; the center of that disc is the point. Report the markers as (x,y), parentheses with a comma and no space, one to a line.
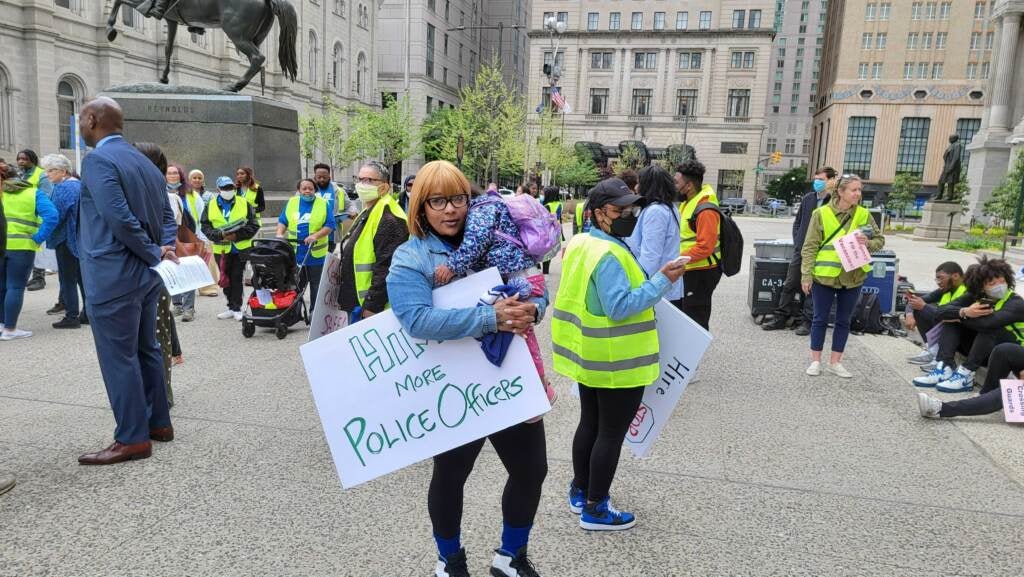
(972,243)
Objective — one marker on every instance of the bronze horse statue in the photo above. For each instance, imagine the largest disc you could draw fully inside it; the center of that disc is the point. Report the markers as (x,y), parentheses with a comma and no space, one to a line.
(246,22)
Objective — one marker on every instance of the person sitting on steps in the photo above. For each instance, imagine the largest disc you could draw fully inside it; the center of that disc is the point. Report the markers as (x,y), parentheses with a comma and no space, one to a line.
(923,311)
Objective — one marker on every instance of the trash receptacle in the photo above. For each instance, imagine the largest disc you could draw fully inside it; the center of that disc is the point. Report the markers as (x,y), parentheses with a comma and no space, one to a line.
(882,279)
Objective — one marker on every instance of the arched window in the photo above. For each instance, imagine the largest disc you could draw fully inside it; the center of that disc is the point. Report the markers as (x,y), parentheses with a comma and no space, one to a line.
(6,119)
(361,73)
(69,99)
(313,56)
(337,65)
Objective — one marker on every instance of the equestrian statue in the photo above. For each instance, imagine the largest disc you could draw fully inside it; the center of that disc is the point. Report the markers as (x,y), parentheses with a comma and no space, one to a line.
(246,23)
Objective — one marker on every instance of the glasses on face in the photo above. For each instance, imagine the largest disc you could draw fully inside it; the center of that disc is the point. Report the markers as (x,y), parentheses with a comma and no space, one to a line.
(440,203)
(627,211)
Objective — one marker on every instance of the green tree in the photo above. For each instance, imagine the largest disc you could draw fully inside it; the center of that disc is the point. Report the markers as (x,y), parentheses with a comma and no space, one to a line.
(323,134)
(581,172)
(789,186)
(903,193)
(384,134)
(629,159)
(1003,204)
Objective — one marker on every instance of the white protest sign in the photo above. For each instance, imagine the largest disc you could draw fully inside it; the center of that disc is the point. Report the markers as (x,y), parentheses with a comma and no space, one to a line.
(1013,400)
(682,345)
(852,254)
(327,315)
(388,400)
(189,274)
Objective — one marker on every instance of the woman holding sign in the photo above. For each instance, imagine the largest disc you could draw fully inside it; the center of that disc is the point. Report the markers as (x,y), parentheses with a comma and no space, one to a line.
(604,338)
(437,218)
(822,273)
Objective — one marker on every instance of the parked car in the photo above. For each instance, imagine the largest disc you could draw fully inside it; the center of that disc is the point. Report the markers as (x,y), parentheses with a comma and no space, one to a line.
(506,192)
(732,205)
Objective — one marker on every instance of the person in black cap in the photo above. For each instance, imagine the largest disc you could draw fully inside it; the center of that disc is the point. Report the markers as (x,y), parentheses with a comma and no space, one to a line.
(604,338)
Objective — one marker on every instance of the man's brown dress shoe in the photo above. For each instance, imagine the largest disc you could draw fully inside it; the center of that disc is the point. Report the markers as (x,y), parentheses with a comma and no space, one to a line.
(162,434)
(117,453)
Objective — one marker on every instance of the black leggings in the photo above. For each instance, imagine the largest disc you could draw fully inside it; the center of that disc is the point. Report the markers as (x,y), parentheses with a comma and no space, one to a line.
(605,415)
(521,449)
(1006,358)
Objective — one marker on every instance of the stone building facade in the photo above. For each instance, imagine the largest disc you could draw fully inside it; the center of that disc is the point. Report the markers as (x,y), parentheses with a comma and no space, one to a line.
(664,73)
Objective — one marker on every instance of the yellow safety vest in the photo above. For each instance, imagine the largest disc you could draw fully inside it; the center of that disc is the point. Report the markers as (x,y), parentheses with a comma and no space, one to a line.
(363,255)
(317,218)
(1016,329)
(596,350)
(22,219)
(249,195)
(554,206)
(827,263)
(190,200)
(951,296)
(688,236)
(36,176)
(239,211)
(579,214)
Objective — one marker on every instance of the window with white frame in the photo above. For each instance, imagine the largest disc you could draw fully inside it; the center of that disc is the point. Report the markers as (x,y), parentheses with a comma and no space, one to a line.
(636,21)
(689,60)
(593,21)
(659,20)
(682,20)
(738,105)
(645,60)
(642,102)
(705,20)
(598,101)
(686,102)
(601,60)
(614,20)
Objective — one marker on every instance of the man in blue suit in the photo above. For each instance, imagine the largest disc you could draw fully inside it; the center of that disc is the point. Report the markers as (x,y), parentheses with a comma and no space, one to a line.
(126,227)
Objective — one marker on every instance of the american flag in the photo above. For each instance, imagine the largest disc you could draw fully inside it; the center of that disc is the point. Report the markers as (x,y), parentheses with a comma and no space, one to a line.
(558,100)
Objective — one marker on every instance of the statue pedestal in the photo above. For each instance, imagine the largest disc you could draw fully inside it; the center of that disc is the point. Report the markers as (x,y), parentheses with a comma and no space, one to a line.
(935,222)
(216,132)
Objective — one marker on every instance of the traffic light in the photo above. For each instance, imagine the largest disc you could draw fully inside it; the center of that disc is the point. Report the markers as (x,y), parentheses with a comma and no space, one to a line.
(776,157)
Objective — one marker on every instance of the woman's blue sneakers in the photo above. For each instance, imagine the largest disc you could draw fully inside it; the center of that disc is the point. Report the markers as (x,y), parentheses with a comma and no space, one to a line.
(602,516)
(577,499)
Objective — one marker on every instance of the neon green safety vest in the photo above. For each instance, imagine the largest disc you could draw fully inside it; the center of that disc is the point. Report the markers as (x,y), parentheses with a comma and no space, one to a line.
(579,214)
(951,296)
(239,211)
(190,200)
(827,263)
(554,206)
(250,197)
(363,255)
(22,219)
(317,218)
(1016,329)
(688,236)
(596,350)
(36,176)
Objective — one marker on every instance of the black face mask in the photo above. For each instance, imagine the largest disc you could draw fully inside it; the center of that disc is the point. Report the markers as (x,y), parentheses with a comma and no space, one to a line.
(624,226)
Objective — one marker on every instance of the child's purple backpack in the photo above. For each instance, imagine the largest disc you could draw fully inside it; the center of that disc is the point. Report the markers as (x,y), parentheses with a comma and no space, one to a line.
(540,233)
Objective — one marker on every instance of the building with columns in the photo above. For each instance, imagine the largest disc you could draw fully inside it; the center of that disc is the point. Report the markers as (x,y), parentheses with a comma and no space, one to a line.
(795,65)
(54,56)
(897,79)
(663,73)
(1001,136)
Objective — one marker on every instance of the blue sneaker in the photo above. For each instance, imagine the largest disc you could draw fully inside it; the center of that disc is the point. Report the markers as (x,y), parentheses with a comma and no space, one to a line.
(577,499)
(939,374)
(962,381)
(603,517)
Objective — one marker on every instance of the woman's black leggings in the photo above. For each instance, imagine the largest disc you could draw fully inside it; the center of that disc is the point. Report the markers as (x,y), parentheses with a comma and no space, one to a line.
(522,450)
(1006,358)
(605,415)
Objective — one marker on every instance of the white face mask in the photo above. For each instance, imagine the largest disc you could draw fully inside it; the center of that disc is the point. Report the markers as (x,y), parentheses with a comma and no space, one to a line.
(227,194)
(997,291)
(367,192)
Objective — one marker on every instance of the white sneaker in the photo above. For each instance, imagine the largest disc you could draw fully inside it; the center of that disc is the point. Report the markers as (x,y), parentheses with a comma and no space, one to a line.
(237,315)
(962,381)
(9,335)
(815,369)
(839,370)
(228,314)
(928,406)
(939,374)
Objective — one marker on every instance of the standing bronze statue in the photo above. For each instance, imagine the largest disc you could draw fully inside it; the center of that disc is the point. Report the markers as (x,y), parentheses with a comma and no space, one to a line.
(950,171)
(246,22)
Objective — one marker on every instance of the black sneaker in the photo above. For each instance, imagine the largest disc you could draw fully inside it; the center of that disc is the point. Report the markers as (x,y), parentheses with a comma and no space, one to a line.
(776,323)
(453,566)
(505,565)
(36,284)
(57,309)
(803,330)
(67,323)
(83,319)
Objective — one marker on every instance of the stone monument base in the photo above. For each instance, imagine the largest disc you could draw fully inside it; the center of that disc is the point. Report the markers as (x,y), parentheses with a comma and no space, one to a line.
(215,131)
(935,222)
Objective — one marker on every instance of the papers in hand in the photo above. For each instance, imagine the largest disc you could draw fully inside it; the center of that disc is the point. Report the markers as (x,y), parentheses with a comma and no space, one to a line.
(189,274)
(852,253)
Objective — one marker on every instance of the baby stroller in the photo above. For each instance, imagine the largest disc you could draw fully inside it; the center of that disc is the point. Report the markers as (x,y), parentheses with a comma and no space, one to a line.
(274,270)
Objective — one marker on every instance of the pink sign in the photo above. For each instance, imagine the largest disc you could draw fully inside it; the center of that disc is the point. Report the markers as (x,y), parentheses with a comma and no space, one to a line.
(852,253)
(1013,400)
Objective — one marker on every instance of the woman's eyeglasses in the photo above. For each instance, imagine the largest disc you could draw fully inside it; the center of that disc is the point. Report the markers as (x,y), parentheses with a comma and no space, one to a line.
(847,178)
(440,203)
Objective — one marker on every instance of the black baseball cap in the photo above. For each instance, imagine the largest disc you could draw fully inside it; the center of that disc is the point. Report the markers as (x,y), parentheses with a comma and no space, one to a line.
(611,191)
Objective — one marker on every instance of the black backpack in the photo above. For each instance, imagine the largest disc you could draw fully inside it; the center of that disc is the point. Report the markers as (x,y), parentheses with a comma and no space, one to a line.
(729,238)
(867,315)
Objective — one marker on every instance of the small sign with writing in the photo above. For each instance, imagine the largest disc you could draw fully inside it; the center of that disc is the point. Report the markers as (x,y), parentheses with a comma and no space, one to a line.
(852,254)
(683,344)
(327,314)
(388,400)
(1013,400)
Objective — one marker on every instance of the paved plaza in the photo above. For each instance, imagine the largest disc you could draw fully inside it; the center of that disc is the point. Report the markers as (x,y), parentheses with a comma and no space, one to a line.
(762,471)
